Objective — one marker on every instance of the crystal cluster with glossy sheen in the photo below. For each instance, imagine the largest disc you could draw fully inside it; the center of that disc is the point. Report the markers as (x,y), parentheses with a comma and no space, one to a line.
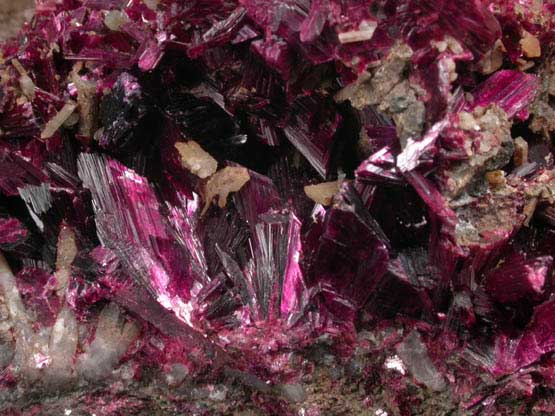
(217,186)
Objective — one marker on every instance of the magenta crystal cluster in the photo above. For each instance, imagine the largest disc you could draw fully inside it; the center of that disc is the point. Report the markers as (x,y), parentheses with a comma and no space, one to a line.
(213,188)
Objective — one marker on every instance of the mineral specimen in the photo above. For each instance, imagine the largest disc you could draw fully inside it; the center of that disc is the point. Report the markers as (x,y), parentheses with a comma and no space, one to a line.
(273,201)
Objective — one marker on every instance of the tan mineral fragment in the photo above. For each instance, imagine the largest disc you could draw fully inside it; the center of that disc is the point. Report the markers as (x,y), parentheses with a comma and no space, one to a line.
(222,183)
(493,60)
(67,250)
(25,82)
(520,155)
(196,160)
(496,178)
(322,193)
(58,120)
(530,45)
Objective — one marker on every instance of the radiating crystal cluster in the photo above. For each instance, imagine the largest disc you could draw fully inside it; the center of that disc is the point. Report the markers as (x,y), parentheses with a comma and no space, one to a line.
(214,189)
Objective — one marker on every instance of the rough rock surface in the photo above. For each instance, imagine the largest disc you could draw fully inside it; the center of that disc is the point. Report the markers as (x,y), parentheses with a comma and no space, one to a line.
(12,15)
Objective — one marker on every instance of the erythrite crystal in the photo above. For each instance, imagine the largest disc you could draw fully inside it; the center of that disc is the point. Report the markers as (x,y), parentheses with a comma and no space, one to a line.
(122,113)
(517,277)
(13,232)
(280,197)
(512,91)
